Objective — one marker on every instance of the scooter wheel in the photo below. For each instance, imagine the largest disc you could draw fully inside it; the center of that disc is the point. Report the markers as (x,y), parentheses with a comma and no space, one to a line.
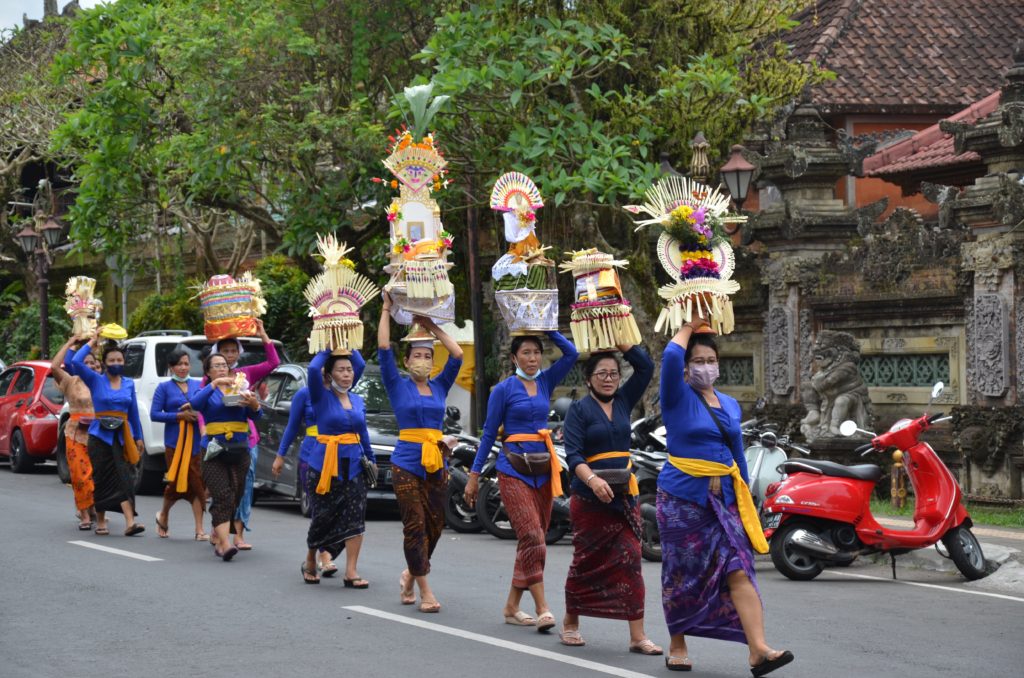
(966,552)
(790,561)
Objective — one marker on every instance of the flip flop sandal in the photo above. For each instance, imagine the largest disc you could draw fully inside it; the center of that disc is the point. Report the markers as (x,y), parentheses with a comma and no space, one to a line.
(545,622)
(430,607)
(202,536)
(306,574)
(571,637)
(674,663)
(227,555)
(102,531)
(243,546)
(85,526)
(328,571)
(520,618)
(768,665)
(134,530)
(161,526)
(645,646)
(357,583)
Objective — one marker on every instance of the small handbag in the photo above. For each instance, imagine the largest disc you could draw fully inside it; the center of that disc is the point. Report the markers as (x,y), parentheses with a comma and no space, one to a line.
(529,463)
(369,472)
(111,423)
(617,478)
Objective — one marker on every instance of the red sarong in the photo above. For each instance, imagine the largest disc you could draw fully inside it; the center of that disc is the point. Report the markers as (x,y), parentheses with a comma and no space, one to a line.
(605,578)
(529,511)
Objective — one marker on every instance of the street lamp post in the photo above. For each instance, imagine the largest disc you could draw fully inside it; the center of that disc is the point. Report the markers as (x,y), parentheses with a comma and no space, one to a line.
(737,174)
(36,244)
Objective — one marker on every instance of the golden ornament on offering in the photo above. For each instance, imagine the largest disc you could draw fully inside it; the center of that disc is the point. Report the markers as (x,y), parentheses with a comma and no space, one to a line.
(82,305)
(231,307)
(335,297)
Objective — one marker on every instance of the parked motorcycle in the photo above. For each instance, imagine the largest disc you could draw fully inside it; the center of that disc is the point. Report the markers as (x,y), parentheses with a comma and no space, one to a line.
(765,455)
(647,464)
(820,515)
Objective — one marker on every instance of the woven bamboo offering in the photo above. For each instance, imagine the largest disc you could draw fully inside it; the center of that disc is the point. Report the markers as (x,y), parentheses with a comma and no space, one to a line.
(335,297)
(600,317)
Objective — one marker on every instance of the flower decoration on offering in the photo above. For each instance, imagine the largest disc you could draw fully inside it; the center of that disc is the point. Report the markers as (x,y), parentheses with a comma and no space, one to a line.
(238,389)
(231,307)
(524,279)
(82,305)
(335,297)
(419,283)
(600,318)
(694,250)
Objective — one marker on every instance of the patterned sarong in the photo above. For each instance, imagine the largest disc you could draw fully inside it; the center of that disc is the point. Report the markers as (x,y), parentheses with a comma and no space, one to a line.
(605,578)
(421,504)
(77,454)
(339,514)
(700,546)
(529,511)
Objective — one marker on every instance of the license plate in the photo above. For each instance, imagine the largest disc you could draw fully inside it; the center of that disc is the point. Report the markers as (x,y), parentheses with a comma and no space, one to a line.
(387,476)
(770,521)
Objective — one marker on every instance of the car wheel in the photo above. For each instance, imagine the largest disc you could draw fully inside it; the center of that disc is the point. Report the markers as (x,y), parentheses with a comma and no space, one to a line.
(63,470)
(305,505)
(21,462)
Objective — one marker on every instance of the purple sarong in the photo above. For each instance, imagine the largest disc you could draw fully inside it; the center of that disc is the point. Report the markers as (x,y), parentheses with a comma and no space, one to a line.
(700,546)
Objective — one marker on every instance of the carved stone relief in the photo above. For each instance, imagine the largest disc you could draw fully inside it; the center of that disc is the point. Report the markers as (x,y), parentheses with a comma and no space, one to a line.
(990,332)
(987,259)
(780,351)
(806,345)
(984,437)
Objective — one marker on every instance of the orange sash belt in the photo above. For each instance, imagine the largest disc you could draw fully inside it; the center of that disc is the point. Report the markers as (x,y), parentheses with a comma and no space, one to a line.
(131,452)
(330,467)
(543,435)
(178,472)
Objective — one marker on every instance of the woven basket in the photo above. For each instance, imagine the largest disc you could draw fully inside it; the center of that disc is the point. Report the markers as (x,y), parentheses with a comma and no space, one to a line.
(527,310)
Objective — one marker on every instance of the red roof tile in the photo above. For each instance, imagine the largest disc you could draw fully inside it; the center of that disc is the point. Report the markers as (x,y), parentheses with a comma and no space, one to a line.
(907,56)
(930,148)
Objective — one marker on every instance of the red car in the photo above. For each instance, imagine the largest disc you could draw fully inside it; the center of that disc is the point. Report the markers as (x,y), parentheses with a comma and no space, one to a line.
(29,403)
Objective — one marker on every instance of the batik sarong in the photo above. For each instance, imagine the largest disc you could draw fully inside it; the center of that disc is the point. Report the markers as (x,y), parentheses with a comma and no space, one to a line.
(529,511)
(700,546)
(112,476)
(338,515)
(421,504)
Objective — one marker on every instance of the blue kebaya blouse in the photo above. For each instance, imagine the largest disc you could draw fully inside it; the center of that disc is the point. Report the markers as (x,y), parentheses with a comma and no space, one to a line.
(333,419)
(108,399)
(167,401)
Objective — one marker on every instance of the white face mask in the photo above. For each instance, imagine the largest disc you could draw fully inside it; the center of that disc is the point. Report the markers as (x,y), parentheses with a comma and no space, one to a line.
(338,388)
(523,375)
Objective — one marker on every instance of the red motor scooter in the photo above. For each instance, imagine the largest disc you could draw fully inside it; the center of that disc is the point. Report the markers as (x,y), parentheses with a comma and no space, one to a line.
(819,515)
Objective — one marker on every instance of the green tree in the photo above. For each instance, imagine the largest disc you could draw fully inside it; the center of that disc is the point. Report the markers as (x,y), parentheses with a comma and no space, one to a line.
(287,318)
(175,310)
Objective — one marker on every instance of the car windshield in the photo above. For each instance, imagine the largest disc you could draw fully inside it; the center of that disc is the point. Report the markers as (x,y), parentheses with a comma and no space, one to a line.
(197,350)
(52,393)
(371,388)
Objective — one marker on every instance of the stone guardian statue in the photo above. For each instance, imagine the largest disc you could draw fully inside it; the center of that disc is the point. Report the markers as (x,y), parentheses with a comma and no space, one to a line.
(837,390)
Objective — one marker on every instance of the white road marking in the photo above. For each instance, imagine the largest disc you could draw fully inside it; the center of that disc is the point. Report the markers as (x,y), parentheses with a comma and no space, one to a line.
(498,642)
(929,586)
(116,552)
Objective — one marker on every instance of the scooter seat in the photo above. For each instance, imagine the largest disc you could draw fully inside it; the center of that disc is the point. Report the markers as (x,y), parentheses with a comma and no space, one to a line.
(870,472)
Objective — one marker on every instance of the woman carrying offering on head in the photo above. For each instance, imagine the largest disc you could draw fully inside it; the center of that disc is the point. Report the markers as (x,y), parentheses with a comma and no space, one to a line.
(115,435)
(605,579)
(232,349)
(706,517)
(181,443)
(529,473)
(226,448)
(335,483)
(76,429)
(418,466)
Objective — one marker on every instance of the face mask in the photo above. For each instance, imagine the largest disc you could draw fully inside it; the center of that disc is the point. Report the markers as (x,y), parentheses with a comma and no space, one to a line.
(180,380)
(524,375)
(338,388)
(421,368)
(116,370)
(702,376)
(602,397)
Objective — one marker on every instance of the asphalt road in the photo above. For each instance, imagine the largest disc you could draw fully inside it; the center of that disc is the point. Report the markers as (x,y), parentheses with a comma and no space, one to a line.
(71,611)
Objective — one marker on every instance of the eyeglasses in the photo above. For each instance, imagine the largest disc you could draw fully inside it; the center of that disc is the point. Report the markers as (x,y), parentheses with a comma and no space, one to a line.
(704,361)
(607,376)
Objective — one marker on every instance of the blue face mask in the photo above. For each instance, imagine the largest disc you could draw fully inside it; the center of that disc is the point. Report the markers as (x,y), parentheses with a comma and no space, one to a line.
(116,370)
(524,375)
(180,380)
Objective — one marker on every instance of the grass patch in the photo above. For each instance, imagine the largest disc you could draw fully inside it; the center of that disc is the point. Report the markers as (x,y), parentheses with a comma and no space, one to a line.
(981,514)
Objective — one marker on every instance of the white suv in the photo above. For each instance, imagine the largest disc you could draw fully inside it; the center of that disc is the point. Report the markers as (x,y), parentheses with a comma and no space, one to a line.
(145,361)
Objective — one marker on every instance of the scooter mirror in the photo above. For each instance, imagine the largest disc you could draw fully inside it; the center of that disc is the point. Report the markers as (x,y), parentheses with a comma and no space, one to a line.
(848,428)
(938,389)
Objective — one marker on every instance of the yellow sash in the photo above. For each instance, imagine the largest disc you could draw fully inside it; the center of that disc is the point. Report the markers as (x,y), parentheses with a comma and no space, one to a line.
(330,468)
(312,432)
(634,487)
(178,470)
(131,452)
(744,502)
(556,466)
(429,438)
(228,429)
